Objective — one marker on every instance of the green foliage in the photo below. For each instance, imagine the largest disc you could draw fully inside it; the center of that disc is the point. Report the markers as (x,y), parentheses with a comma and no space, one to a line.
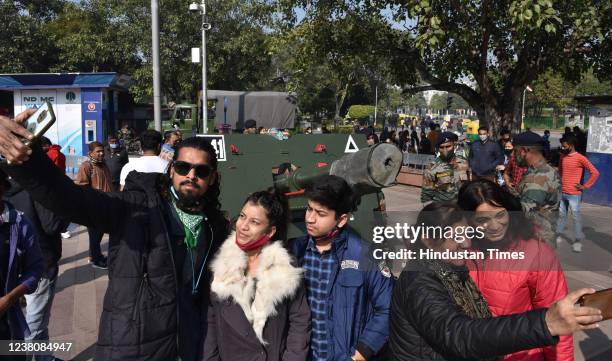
(360,111)
(329,54)
(590,85)
(417,101)
(23,44)
(437,102)
(115,35)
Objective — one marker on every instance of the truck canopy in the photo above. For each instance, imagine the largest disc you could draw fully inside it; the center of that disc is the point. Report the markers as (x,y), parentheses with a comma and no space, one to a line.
(269,109)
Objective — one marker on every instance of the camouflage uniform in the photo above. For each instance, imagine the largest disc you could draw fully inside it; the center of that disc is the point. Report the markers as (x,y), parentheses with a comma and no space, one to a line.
(442,179)
(540,193)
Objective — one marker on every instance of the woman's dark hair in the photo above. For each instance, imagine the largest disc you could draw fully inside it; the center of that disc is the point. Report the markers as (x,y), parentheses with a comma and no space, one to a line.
(437,214)
(475,193)
(332,192)
(275,205)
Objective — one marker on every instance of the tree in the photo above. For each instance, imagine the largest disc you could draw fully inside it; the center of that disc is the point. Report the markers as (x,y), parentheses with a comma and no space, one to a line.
(501,46)
(438,102)
(590,85)
(550,89)
(23,44)
(348,49)
(417,101)
(115,35)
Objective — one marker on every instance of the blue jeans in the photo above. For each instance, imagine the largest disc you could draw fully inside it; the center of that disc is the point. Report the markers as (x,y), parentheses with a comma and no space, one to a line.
(38,311)
(573,202)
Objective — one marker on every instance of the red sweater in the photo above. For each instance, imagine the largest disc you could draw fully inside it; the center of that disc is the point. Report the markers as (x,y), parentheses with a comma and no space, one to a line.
(516,286)
(57,157)
(571,169)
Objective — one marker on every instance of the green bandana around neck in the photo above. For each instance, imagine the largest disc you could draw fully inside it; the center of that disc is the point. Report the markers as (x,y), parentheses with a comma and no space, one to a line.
(192,224)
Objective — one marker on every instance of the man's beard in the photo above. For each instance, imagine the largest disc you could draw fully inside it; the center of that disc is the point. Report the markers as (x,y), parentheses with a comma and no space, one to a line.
(189,202)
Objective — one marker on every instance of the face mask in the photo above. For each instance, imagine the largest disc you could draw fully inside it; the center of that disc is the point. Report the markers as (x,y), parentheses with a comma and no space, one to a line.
(95,161)
(448,155)
(564,151)
(328,236)
(507,151)
(114,146)
(253,245)
(483,137)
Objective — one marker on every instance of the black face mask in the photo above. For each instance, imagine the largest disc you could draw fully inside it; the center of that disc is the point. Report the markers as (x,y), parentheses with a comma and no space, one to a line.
(507,151)
(564,151)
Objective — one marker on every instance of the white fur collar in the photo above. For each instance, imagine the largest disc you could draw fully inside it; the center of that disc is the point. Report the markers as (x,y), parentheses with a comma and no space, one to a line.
(277,279)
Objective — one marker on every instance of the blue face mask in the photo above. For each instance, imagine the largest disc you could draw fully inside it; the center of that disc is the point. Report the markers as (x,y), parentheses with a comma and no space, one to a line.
(113,146)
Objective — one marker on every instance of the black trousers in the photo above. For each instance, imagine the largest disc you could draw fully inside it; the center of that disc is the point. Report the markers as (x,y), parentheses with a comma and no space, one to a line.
(95,238)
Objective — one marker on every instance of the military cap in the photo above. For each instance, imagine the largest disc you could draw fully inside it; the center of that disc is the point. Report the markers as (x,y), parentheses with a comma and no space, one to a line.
(527,138)
(250,123)
(446,137)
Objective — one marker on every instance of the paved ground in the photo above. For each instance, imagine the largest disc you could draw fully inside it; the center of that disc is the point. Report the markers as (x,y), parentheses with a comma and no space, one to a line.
(77,307)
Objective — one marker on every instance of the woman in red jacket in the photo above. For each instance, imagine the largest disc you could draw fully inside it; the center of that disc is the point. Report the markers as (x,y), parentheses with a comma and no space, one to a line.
(521,272)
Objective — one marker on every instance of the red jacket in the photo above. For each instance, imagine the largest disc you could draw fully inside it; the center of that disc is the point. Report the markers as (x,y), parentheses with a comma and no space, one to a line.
(516,286)
(57,157)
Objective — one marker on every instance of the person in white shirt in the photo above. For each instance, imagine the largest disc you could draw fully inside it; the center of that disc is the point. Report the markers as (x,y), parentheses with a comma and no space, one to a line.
(149,162)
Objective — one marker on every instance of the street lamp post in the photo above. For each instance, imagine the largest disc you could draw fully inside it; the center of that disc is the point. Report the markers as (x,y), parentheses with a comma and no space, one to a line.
(523,108)
(201,8)
(375,103)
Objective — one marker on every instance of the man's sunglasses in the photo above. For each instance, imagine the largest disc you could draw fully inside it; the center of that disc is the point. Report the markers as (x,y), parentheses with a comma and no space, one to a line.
(183,168)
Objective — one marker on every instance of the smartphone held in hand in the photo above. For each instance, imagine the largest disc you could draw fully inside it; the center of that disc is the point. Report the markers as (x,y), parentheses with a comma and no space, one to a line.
(39,122)
(601,300)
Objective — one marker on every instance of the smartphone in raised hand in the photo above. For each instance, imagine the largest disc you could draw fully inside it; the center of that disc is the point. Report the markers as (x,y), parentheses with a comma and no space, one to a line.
(40,122)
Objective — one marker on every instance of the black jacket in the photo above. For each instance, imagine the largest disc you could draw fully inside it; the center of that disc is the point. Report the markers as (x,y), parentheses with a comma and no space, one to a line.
(48,226)
(484,157)
(115,162)
(139,317)
(427,324)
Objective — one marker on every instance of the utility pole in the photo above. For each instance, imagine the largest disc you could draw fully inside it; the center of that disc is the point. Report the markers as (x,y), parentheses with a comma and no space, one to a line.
(156,72)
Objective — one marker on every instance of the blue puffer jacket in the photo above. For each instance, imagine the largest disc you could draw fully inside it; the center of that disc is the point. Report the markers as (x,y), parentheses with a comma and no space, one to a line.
(359,296)
(25,263)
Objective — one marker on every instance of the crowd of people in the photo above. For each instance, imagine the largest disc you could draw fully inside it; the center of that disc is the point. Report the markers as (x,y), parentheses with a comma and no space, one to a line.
(185,283)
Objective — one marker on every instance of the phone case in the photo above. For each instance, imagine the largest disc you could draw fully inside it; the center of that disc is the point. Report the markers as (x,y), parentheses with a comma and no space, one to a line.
(602,300)
(39,132)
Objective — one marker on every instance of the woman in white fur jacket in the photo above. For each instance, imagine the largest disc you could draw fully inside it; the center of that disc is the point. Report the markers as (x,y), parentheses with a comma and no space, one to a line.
(259,309)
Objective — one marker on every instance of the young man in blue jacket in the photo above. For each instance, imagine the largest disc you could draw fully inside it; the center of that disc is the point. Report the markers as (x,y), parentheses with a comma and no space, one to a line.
(349,293)
(21,266)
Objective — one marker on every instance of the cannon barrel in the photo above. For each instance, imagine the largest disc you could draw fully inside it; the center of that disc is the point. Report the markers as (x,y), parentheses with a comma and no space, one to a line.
(367,170)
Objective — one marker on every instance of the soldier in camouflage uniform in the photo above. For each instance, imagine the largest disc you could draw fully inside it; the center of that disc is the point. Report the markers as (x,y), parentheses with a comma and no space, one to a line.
(443,178)
(540,187)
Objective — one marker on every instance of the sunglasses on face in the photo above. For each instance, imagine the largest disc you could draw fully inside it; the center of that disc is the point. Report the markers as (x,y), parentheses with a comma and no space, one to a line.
(183,168)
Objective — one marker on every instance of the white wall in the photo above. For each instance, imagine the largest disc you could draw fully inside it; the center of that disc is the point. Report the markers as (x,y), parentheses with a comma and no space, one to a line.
(67,130)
